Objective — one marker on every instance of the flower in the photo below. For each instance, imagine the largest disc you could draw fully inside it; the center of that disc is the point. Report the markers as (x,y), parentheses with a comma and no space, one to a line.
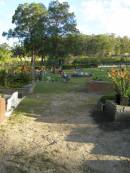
(121,80)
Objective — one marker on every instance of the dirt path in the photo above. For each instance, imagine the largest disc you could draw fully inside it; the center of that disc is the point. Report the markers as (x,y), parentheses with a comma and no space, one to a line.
(57,134)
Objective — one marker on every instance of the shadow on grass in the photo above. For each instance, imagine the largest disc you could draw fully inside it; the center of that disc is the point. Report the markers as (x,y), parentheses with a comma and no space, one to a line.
(106,166)
(23,162)
(109,141)
(107,151)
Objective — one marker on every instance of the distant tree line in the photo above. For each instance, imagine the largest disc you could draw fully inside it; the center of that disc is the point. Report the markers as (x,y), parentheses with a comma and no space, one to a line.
(51,34)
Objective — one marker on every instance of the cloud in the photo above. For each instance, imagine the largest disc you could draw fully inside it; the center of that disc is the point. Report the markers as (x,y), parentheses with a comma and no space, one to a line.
(62,1)
(108,16)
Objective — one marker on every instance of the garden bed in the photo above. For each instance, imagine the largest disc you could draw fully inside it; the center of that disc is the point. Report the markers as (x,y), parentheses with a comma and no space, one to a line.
(99,86)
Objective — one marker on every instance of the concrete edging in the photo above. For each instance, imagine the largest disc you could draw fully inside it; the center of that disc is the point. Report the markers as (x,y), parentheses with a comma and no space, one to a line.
(114,111)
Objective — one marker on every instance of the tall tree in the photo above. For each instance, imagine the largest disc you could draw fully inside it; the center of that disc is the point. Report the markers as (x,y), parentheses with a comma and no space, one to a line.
(125,45)
(61,22)
(19,51)
(5,52)
(30,27)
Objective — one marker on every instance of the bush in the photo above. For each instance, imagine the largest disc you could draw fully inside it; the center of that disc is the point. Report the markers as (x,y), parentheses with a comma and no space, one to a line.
(18,79)
(14,80)
(86,62)
(107,97)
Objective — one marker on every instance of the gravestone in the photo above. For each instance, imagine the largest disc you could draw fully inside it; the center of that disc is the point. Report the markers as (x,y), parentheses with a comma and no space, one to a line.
(12,101)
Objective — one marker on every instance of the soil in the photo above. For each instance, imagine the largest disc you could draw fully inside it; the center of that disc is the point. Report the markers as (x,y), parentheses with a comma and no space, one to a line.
(62,135)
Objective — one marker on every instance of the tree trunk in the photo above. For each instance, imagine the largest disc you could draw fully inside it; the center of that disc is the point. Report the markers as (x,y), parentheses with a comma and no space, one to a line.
(33,66)
(43,60)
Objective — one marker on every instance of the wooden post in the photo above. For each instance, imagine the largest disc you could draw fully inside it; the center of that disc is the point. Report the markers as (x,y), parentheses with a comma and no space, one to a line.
(2,109)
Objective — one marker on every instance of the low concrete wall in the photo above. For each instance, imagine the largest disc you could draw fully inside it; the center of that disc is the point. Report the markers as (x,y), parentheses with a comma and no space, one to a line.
(27,89)
(116,112)
(122,112)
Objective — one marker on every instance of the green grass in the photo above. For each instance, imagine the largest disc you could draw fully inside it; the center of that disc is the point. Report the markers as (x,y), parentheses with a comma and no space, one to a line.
(74,84)
(60,86)
(98,73)
(32,104)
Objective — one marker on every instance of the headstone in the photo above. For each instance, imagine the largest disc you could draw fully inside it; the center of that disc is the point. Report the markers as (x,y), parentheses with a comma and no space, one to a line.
(9,104)
(12,101)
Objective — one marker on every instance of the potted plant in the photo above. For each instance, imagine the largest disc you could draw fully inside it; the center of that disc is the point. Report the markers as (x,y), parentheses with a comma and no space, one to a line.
(121,81)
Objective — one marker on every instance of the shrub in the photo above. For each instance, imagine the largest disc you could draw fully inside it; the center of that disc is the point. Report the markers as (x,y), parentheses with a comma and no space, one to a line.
(107,97)
(14,80)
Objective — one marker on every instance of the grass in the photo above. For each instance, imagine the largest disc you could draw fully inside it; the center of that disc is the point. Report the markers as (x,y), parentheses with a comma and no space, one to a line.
(36,103)
(33,104)
(98,73)
(60,86)
(57,87)
(74,84)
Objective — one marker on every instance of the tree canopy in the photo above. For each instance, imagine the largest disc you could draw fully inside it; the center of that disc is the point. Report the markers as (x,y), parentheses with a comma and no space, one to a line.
(60,20)
(53,33)
(5,52)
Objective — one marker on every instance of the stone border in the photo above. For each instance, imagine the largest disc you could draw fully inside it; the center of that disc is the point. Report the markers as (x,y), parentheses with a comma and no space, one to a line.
(114,111)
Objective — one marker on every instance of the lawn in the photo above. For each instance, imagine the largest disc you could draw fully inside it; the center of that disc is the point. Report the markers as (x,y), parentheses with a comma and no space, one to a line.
(97,73)
(74,84)
(60,86)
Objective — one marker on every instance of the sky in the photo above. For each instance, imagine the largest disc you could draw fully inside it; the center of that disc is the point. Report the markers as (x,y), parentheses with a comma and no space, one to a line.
(93,16)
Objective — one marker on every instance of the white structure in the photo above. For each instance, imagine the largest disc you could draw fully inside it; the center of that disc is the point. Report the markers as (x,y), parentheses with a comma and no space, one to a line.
(12,102)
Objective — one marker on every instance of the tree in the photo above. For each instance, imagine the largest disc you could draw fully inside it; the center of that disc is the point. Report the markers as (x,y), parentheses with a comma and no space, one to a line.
(61,22)
(18,51)
(5,52)
(30,28)
(125,45)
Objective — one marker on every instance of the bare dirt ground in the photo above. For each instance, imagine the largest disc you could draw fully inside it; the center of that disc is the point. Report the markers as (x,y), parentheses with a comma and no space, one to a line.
(58,134)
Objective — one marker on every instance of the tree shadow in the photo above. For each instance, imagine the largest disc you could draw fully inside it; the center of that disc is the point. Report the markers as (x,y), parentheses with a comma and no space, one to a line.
(23,162)
(110,139)
(106,166)
(110,148)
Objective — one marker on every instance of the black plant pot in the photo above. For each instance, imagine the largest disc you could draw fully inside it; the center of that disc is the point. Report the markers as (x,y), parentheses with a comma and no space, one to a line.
(124,100)
(118,98)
